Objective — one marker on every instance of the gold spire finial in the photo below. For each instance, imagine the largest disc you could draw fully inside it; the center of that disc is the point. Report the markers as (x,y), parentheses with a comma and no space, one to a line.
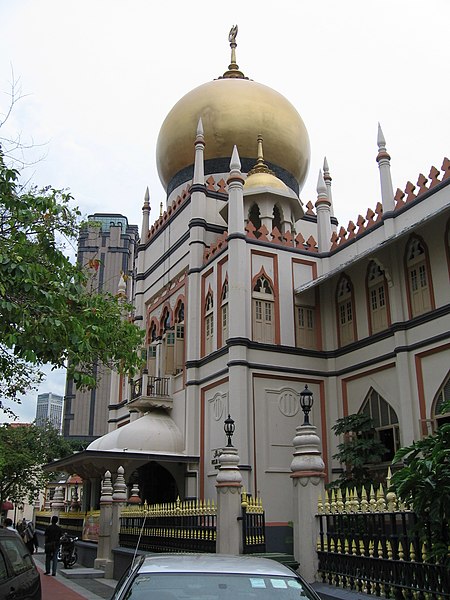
(233,68)
(260,166)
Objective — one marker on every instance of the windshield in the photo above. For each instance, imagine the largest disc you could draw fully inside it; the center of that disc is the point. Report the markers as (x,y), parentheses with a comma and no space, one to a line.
(207,586)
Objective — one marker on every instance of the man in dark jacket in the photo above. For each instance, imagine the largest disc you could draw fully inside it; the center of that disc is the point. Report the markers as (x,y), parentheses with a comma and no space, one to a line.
(52,536)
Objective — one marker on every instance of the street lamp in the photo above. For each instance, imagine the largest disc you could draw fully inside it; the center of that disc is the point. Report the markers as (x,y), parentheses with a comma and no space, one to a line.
(306,402)
(229,428)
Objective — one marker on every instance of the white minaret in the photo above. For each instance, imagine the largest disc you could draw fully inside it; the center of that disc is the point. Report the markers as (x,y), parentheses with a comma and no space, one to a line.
(384,164)
(145,216)
(327,178)
(323,208)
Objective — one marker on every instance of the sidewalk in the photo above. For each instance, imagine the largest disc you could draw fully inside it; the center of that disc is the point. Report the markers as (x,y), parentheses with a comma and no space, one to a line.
(62,588)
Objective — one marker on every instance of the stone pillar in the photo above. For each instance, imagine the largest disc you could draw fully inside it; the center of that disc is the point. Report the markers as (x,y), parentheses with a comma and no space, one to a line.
(308,472)
(104,558)
(57,504)
(228,486)
(119,498)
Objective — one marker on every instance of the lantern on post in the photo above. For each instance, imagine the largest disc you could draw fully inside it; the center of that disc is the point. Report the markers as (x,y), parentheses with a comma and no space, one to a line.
(306,402)
(229,428)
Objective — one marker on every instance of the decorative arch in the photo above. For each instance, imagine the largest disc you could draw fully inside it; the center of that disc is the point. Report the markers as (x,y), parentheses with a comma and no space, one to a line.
(277,218)
(180,348)
(208,323)
(385,422)
(153,330)
(345,311)
(437,411)
(254,216)
(222,331)
(265,324)
(419,284)
(377,296)
(166,320)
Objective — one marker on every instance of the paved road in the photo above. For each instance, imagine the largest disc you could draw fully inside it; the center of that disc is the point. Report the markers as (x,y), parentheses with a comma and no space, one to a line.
(61,588)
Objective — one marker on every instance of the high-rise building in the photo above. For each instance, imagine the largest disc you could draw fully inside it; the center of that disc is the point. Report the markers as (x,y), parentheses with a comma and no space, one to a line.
(107,246)
(49,408)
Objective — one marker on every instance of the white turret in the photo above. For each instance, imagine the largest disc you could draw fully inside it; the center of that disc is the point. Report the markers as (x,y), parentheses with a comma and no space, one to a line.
(327,178)
(384,164)
(199,171)
(145,217)
(323,208)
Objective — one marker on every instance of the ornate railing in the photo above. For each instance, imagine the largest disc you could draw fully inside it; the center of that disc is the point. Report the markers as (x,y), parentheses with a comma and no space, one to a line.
(156,387)
(253,525)
(369,543)
(188,526)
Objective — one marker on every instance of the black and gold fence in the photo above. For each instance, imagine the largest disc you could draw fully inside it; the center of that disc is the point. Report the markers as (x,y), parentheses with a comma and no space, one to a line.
(368,543)
(253,525)
(188,526)
(77,524)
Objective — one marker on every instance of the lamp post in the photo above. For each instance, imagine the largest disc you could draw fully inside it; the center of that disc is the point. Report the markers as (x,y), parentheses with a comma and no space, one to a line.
(306,402)
(229,428)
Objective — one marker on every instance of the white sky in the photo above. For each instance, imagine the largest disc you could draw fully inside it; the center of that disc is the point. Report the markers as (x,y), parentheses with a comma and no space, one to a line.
(102,75)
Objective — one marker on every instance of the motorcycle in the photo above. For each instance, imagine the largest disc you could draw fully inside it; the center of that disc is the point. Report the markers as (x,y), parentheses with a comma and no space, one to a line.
(67,552)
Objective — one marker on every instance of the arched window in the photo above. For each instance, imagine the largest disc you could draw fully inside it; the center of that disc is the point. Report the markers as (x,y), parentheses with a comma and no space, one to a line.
(345,310)
(168,342)
(443,396)
(385,421)
(254,216)
(418,278)
(209,323)
(263,311)
(377,298)
(151,351)
(179,338)
(224,313)
(276,219)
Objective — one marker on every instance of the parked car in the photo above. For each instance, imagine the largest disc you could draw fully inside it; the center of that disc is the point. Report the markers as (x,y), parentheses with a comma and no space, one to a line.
(19,577)
(212,577)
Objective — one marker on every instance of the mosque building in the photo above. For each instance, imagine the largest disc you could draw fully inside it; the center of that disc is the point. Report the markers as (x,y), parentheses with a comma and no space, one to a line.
(247,295)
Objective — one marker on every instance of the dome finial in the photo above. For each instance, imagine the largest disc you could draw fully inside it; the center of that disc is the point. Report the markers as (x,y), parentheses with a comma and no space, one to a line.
(260,166)
(233,68)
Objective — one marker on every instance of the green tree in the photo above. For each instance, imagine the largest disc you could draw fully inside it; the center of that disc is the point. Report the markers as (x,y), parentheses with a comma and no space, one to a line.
(47,312)
(23,451)
(423,482)
(358,450)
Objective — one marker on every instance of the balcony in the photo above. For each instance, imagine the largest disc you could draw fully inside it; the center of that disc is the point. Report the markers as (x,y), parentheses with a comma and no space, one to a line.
(149,392)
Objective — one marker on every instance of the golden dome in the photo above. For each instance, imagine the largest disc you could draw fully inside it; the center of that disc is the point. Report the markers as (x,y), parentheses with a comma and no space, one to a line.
(234,111)
(260,176)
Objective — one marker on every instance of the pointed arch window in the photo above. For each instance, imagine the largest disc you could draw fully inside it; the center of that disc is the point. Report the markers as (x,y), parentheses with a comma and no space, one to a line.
(168,339)
(277,218)
(179,338)
(152,349)
(209,323)
(441,415)
(263,301)
(418,277)
(385,422)
(345,312)
(377,298)
(254,216)
(224,316)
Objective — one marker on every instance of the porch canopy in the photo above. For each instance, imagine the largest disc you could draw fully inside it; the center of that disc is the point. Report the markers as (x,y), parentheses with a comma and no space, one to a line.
(152,437)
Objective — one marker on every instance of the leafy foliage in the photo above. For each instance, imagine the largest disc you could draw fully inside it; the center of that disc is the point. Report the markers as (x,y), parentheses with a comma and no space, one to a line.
(47,313)
(424,483)
(359,449)
(23,451)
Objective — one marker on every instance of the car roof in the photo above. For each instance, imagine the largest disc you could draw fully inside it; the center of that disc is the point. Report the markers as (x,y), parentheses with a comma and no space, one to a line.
(214,563)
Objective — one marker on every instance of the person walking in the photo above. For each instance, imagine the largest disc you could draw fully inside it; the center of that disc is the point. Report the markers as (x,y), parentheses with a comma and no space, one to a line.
(8,524)
(28,535)
(52,540)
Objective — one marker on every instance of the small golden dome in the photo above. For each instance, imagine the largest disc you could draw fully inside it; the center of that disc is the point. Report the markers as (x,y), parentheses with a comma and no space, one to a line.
(260,176)
(234,111)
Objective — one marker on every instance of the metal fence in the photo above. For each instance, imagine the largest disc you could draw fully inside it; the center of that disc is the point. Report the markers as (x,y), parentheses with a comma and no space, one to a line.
(189,526)
(156,386)
(369,543)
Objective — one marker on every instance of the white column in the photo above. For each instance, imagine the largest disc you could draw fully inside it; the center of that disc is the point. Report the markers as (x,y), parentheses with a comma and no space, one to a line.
(104,559)
(308,472)
(384,165)
(323,208)
(228,486)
